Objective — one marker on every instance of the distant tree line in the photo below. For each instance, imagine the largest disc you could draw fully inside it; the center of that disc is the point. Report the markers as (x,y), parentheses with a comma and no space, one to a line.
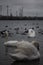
(20,18)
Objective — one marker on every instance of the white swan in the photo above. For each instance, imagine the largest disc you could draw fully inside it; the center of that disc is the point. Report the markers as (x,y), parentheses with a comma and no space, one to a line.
(31,33)
(24,50)
(4,33)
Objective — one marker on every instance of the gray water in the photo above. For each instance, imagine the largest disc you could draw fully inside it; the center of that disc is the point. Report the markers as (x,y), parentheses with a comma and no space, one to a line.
(6,60)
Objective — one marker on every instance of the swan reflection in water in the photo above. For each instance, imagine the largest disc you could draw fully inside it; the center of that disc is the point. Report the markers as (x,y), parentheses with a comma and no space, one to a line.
(27,62)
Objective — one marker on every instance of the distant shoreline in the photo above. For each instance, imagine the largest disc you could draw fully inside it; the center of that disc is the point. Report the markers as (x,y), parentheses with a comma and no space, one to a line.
(20,18)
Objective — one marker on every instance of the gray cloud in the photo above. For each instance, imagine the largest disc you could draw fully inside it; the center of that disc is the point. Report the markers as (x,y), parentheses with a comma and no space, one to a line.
(30,6)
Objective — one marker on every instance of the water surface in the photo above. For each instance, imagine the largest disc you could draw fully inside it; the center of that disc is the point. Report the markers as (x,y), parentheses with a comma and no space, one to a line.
(6,60)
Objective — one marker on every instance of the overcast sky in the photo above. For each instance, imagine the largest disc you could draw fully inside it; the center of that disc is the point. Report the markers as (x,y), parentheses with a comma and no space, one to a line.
(30,7)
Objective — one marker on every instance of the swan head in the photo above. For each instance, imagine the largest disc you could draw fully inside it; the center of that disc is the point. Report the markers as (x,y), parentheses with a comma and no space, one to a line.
(31,33)
(36,44)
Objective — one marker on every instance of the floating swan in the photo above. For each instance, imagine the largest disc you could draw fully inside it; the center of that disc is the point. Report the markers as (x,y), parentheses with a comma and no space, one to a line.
(31,33)
(23,50)
(4,33)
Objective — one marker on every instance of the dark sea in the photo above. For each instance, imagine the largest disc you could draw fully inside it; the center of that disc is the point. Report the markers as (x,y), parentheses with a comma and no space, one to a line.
(10,25)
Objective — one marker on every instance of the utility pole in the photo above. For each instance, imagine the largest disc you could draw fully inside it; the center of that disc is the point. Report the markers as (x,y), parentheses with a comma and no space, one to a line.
(0,9)
(10,12)
(16,13)
(7,10)
(22,11)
